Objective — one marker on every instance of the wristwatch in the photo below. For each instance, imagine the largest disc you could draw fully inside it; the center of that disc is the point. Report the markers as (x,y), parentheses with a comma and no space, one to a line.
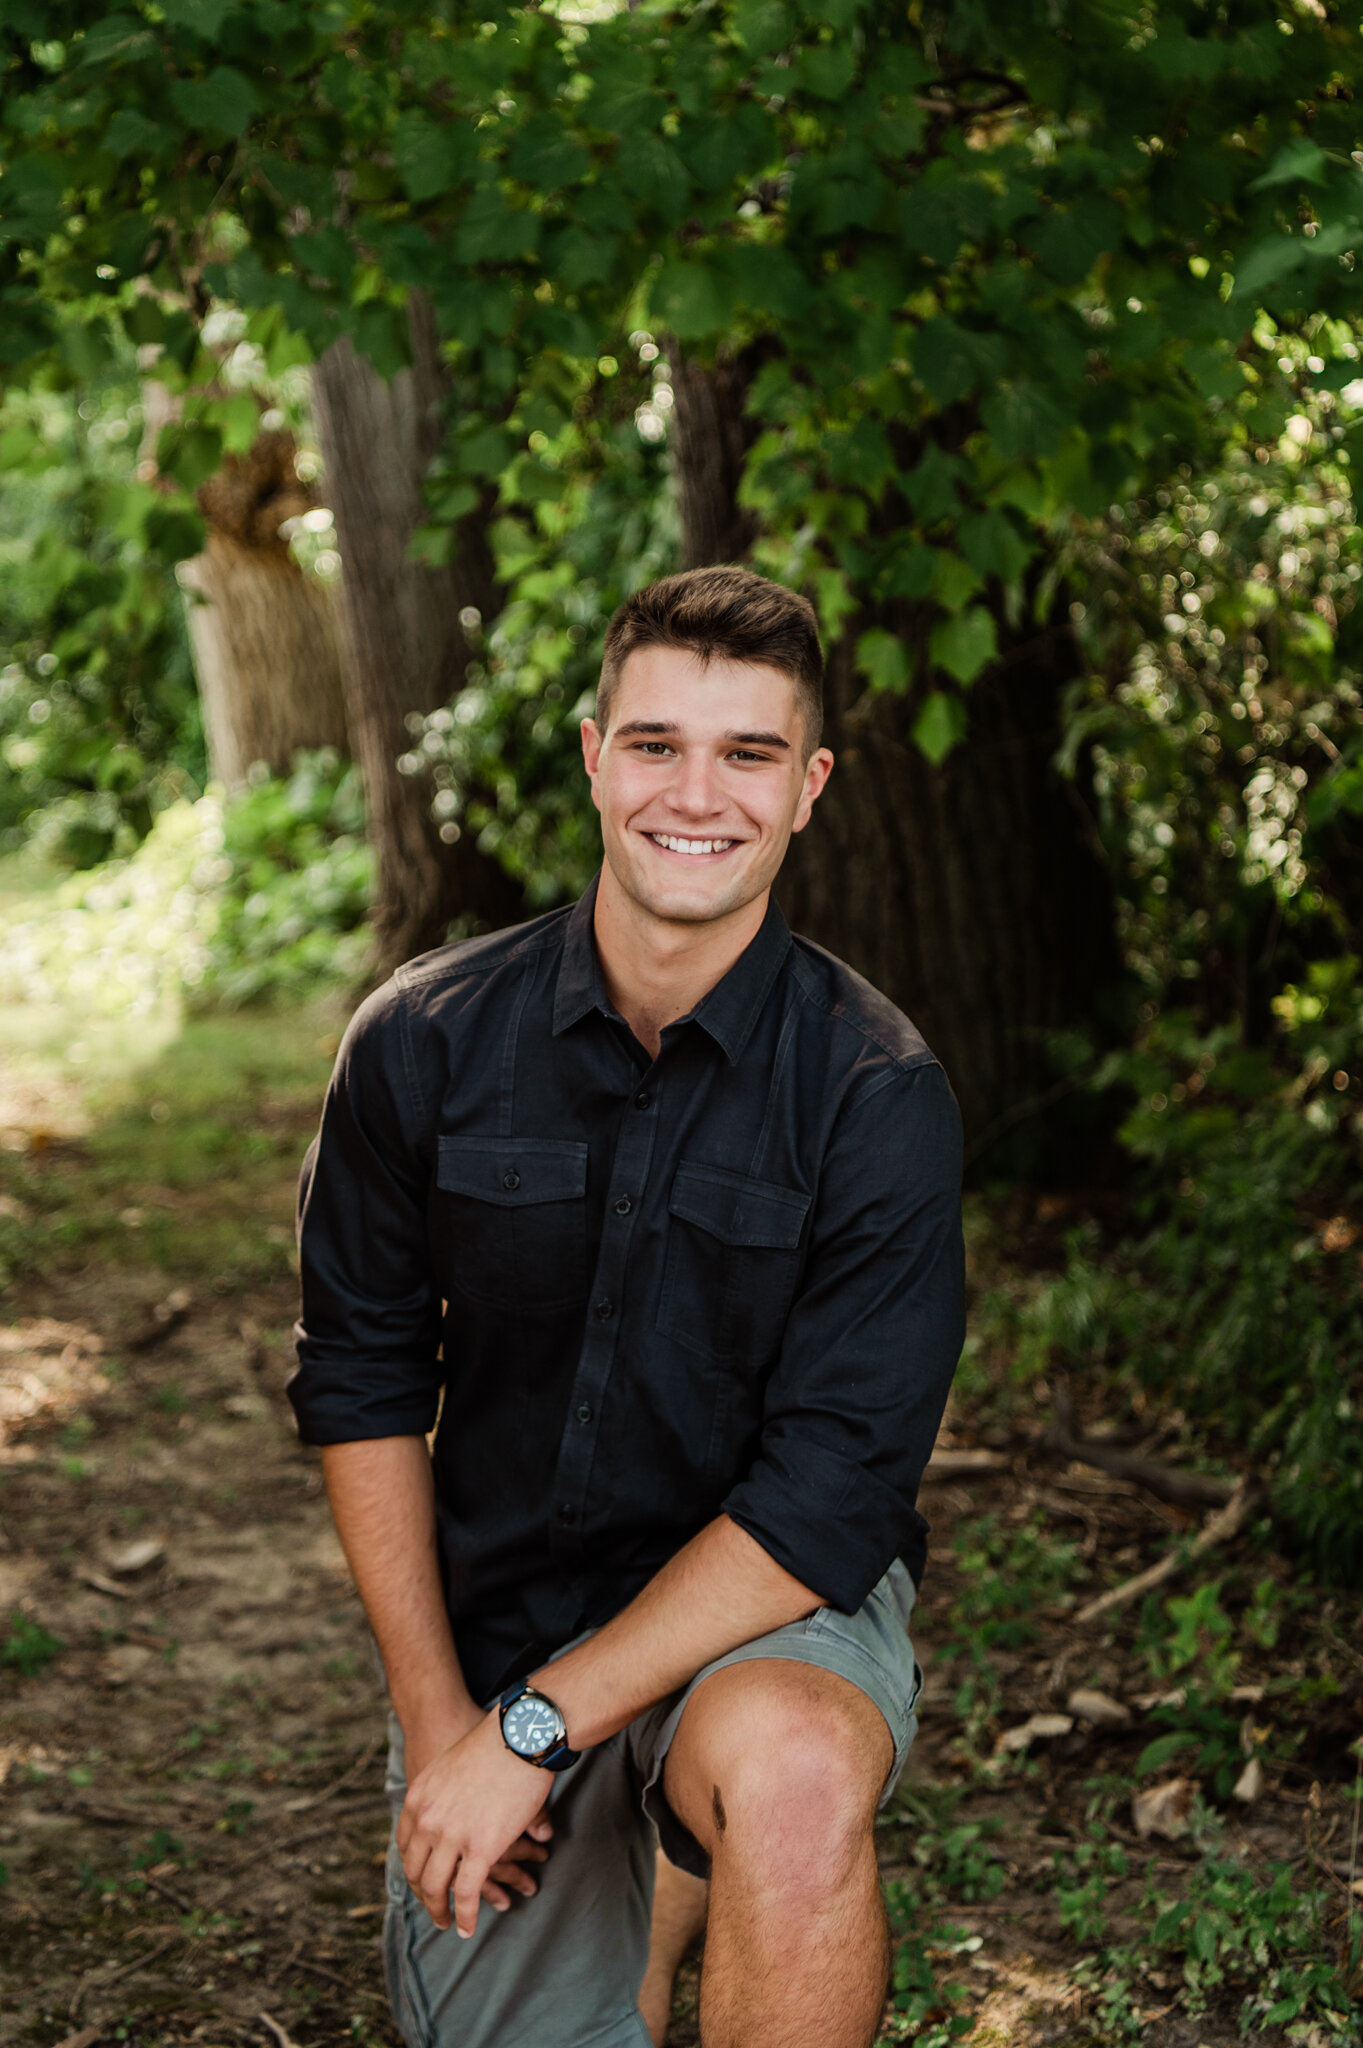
(534,1730)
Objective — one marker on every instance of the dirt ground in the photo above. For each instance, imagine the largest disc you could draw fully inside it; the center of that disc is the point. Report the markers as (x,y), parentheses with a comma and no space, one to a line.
(191,1816)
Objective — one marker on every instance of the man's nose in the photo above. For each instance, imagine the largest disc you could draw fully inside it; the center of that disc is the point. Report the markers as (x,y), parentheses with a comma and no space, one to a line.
(695,791)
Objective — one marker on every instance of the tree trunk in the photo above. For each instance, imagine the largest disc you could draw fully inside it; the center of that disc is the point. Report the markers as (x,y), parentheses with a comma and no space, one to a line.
(404,649)
(263,634)
(972,894)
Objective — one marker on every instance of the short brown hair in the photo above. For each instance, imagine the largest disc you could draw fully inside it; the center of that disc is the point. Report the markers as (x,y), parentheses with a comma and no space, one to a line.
(724,612)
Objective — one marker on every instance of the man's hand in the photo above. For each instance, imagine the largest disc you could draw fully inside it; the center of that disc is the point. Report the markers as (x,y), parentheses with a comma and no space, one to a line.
(473,1817)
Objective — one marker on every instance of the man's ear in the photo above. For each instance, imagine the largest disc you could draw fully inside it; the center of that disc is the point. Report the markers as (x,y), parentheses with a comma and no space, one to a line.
(592,742)
(818,768)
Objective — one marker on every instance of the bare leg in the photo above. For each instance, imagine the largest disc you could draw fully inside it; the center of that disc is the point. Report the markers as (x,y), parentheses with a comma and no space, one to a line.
(678,1916)
(776,1769)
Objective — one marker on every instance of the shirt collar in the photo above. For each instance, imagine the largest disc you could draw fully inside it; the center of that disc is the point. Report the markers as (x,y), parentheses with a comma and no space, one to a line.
(728,1012)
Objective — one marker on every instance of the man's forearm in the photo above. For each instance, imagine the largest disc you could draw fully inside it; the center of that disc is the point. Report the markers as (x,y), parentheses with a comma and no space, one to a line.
(720,1590)
(383,1501)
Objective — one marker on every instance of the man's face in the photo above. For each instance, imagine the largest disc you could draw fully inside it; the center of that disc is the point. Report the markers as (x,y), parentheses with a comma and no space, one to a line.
(700,781)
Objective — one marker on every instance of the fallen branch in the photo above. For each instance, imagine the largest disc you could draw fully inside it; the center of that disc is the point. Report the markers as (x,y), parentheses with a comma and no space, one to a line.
(280,2036)
(1166,1482)
(1218,1528)
(95,1982)
(961,1464)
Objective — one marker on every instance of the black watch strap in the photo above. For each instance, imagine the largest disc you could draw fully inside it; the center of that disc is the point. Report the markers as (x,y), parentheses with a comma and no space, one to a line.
(558,1757)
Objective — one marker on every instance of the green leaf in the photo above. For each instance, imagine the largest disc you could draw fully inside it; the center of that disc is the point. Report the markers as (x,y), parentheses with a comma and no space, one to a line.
(964,645)
(381,334)
(221,104)
(1023,421)
(992,544)
(492,231)
(238,421)
(651,168)
(692,300)
(763,26)
(953,581)
(326,253)
(546,156)
(907,569)
(431,158)
(1268,262)
(931,487)
(1160,1752)
(827,69)
(1299,162)
(485,452)
(883,659)
(131,133)
(939,726)
(204,16)
(191,452)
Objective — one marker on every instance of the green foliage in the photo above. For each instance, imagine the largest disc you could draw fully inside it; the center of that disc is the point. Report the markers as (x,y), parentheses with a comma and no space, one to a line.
(926,2006)
(992,271)
(1005,1575)
(1240,1937)
(99,722)
(221,905)
(299,877)
(28,1647)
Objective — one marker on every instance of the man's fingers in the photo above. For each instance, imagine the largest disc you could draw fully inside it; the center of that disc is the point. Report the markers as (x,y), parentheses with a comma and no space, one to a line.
(523,1850)
(430,1874)
(468,1885)
(496,1897)
(512,1874)
(541,1827)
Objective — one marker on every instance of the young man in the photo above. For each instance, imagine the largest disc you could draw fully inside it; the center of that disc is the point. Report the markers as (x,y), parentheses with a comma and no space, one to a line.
(667,1203)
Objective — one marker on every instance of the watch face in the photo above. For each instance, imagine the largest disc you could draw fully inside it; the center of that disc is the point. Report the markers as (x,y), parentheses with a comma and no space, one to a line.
(532,1725)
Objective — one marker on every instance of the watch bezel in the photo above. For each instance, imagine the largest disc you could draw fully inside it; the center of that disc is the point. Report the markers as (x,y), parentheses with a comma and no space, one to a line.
(532,1694)
(555,1755)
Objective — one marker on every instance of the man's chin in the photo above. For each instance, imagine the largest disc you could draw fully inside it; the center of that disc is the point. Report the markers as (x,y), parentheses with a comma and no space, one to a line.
(702,901)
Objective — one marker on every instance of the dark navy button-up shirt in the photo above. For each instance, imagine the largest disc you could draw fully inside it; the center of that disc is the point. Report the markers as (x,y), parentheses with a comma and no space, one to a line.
(649,1291)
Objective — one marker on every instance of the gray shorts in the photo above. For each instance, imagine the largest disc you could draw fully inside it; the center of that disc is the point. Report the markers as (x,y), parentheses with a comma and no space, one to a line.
(563,1969)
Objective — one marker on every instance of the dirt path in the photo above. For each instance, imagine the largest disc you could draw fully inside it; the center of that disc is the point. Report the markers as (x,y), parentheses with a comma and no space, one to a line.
(191,1815)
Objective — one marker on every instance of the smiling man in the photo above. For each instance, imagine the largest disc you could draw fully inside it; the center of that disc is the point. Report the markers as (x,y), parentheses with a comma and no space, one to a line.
(665,1202)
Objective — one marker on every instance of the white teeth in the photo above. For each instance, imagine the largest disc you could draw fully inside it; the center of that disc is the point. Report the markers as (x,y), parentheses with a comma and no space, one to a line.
(675,845)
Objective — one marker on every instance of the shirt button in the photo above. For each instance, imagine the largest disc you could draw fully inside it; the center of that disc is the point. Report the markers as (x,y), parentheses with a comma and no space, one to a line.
(584,1413)
(511,1180)
(642,1099)
(623,1206)
(604,1310)
(566,1511)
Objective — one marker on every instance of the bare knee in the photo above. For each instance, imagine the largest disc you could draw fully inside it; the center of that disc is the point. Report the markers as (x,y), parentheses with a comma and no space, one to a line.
(779,1774)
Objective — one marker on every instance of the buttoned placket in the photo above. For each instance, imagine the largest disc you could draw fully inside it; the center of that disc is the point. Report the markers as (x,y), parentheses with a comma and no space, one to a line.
(577,1446)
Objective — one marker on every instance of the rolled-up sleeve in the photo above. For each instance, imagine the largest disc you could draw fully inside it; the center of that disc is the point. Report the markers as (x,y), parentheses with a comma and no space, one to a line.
(368,1339)
(854,1402)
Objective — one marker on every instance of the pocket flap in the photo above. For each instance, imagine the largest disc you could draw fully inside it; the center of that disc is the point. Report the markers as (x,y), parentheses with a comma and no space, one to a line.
(513,1171)
(737,1210)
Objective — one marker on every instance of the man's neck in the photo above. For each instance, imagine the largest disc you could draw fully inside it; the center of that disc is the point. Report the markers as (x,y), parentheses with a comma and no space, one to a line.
(657,970)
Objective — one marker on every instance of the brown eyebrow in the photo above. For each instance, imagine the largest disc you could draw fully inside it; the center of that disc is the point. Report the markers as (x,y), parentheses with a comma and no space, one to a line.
(651,728)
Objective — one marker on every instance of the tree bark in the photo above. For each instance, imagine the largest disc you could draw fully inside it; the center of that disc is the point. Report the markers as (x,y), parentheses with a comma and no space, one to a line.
(972,894)
(404,649)
(263,634)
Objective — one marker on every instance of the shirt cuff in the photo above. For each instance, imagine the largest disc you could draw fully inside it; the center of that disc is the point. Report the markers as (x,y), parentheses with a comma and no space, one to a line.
(826,1520)
(361,1402)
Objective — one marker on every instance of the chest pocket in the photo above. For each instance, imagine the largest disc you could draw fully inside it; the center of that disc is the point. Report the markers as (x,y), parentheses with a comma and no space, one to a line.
(733,1254)
(512,1219)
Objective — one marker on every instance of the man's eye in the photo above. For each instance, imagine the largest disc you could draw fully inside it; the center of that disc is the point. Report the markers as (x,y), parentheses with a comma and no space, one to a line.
(654,747)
